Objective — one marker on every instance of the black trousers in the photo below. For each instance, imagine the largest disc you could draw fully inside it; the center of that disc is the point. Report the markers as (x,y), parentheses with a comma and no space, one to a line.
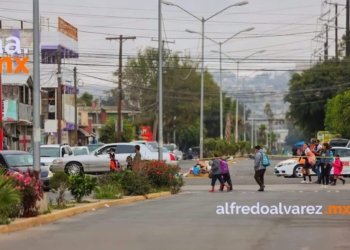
(227,178)
(325,173)
(259,176)
(217,177)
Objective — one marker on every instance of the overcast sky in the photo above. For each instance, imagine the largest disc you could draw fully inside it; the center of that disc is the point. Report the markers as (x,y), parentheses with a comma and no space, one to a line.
(283,28)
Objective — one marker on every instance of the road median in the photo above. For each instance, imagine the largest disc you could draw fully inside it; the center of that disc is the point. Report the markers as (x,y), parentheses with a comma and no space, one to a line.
(25,223)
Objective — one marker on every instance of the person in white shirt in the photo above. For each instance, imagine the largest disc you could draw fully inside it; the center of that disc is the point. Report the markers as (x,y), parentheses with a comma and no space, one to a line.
(307,166)
(316,168)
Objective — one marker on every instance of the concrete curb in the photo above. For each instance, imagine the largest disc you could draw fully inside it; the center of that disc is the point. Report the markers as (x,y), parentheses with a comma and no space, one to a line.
(61,214)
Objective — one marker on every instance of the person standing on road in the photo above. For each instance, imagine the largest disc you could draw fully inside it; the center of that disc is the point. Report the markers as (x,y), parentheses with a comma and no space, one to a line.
(217,175)
(307,165)
(317,152)
(226,177)
(325,164)
(338,168)
(259,168)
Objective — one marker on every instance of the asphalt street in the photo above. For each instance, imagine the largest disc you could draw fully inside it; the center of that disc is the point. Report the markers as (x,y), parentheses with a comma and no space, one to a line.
(190,220)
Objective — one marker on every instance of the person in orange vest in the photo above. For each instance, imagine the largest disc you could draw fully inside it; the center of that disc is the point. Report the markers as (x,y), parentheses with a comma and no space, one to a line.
(112,162)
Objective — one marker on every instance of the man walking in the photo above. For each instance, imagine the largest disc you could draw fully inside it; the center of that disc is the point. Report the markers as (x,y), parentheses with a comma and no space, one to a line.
(259,168)
(317,152)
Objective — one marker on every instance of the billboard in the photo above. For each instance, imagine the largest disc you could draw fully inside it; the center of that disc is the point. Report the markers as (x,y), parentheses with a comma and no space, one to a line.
(9,110)
(145,133)
(67,29)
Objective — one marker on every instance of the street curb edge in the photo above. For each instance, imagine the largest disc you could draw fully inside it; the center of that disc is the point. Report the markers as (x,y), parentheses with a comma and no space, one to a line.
(57,215)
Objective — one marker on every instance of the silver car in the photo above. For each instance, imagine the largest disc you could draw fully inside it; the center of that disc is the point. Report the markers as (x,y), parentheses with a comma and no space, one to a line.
(98,160)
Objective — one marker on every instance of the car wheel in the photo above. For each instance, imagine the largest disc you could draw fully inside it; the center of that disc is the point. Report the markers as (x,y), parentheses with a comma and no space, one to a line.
(297,172)
(74,168)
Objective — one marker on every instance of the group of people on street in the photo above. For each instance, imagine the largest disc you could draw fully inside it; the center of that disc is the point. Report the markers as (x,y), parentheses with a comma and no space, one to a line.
(219,171)
(320,160)
(116,166)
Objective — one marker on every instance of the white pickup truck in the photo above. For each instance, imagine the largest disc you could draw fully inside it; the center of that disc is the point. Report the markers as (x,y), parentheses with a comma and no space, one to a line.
(50,152)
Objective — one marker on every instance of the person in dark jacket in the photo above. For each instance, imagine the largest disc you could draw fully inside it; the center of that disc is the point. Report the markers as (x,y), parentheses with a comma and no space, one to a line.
(217,175)
(259,168)
(325,164)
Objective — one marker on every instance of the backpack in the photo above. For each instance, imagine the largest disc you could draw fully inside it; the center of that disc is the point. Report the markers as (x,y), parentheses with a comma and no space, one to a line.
(265,160)
(224,167)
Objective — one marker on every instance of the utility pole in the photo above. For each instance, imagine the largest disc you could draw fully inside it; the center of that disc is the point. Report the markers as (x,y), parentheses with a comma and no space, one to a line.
(347,27)
(59,97)
(336,32)
(121,39)
(75,109)
(155,125)
(326,44)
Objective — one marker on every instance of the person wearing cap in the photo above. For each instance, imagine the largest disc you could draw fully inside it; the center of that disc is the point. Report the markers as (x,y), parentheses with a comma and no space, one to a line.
(259,168)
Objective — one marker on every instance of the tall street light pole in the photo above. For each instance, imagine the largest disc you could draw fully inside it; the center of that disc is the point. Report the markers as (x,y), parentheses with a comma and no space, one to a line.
(244,110)
(221,96)
(160,83)
(238,62)
(36,89)
(203,20)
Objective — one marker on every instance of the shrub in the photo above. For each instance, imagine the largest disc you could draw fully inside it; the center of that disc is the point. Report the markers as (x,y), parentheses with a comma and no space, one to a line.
(9,199)
(60,182)
(132,183)
(161,175)
(244,147)
(220,147)
(108,187)
(158,173)
(175,184)
(109,191)
(31,192)
(81,185)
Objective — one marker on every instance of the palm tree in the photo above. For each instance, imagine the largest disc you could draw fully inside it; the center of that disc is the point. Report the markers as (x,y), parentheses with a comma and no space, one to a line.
(8,194)
(262,134)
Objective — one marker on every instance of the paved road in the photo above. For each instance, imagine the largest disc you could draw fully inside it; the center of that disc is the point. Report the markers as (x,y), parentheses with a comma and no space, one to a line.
(190,221)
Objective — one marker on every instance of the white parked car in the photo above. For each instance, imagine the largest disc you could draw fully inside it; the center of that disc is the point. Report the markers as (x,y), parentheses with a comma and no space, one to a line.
(98,160)
(292,167)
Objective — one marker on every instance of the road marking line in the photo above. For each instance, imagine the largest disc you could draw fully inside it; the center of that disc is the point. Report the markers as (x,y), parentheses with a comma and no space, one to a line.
(316,191)
(300,191)
(337,191)
(328,191)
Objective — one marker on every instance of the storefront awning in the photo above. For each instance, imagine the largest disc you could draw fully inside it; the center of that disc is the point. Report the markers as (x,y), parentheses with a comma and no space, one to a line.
(84,132)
